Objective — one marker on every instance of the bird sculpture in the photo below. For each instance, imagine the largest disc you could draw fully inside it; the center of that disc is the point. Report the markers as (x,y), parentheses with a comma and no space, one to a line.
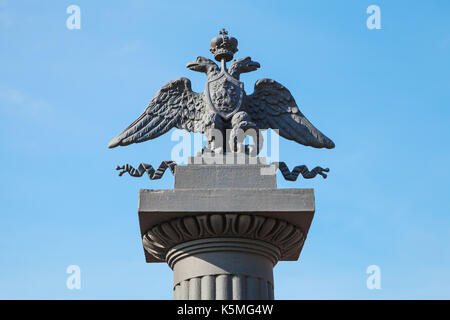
(222,106)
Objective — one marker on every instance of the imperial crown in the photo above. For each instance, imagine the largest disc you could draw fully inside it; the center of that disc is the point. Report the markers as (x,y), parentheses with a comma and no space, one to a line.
(223,47)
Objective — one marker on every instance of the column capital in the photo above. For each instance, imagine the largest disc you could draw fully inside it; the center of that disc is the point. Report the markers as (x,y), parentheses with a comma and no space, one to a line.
(285,236)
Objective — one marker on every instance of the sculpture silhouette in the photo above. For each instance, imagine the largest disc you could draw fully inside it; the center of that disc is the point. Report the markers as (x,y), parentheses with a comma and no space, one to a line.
(223,105)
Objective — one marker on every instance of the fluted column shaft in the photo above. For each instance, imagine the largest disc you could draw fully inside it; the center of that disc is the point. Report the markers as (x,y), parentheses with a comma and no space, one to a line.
(223,269)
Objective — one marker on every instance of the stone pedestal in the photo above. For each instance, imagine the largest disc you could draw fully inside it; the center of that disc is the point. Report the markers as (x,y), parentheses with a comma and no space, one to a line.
(223,228)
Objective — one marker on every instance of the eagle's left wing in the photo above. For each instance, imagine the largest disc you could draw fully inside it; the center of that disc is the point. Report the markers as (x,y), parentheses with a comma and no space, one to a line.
(272,106)
(174,105)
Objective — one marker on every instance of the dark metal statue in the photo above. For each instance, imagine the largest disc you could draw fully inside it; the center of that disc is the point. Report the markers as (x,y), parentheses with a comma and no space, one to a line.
(223,105)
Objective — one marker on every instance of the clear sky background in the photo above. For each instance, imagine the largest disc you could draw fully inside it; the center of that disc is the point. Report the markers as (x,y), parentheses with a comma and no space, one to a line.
(381,95)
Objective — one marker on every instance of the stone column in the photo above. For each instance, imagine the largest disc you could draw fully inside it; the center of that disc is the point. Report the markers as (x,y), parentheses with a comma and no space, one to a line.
(223,228)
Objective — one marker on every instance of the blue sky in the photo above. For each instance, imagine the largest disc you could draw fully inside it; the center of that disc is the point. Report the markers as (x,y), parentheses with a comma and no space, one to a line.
(381,95)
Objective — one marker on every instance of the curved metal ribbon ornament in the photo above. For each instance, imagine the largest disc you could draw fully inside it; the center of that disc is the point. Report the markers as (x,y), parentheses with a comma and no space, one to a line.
(303,170)
(148,168)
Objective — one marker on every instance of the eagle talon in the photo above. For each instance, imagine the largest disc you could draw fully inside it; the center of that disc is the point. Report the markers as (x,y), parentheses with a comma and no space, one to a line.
(240,131)
(207,150)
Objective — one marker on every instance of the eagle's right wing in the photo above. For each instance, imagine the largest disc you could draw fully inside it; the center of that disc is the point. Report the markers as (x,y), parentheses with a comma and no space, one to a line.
(175,105)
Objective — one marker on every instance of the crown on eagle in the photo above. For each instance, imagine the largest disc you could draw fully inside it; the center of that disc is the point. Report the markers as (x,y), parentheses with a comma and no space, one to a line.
(223,46)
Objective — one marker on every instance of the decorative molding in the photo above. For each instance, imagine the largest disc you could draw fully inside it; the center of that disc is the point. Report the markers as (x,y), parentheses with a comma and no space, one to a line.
(281,234)
(224,244)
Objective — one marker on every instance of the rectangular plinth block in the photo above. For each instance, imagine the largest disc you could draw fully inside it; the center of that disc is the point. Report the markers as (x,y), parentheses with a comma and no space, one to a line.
(224,176)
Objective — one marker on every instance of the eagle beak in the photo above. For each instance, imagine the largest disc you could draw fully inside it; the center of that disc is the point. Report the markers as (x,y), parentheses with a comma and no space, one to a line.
(254,65)
(193,66)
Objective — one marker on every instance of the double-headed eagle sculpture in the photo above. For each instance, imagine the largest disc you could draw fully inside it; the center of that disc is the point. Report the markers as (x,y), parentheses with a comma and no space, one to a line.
(222,106)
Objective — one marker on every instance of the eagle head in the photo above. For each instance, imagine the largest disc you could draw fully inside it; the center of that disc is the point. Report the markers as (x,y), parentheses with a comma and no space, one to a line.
(242,65)
(205,65)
